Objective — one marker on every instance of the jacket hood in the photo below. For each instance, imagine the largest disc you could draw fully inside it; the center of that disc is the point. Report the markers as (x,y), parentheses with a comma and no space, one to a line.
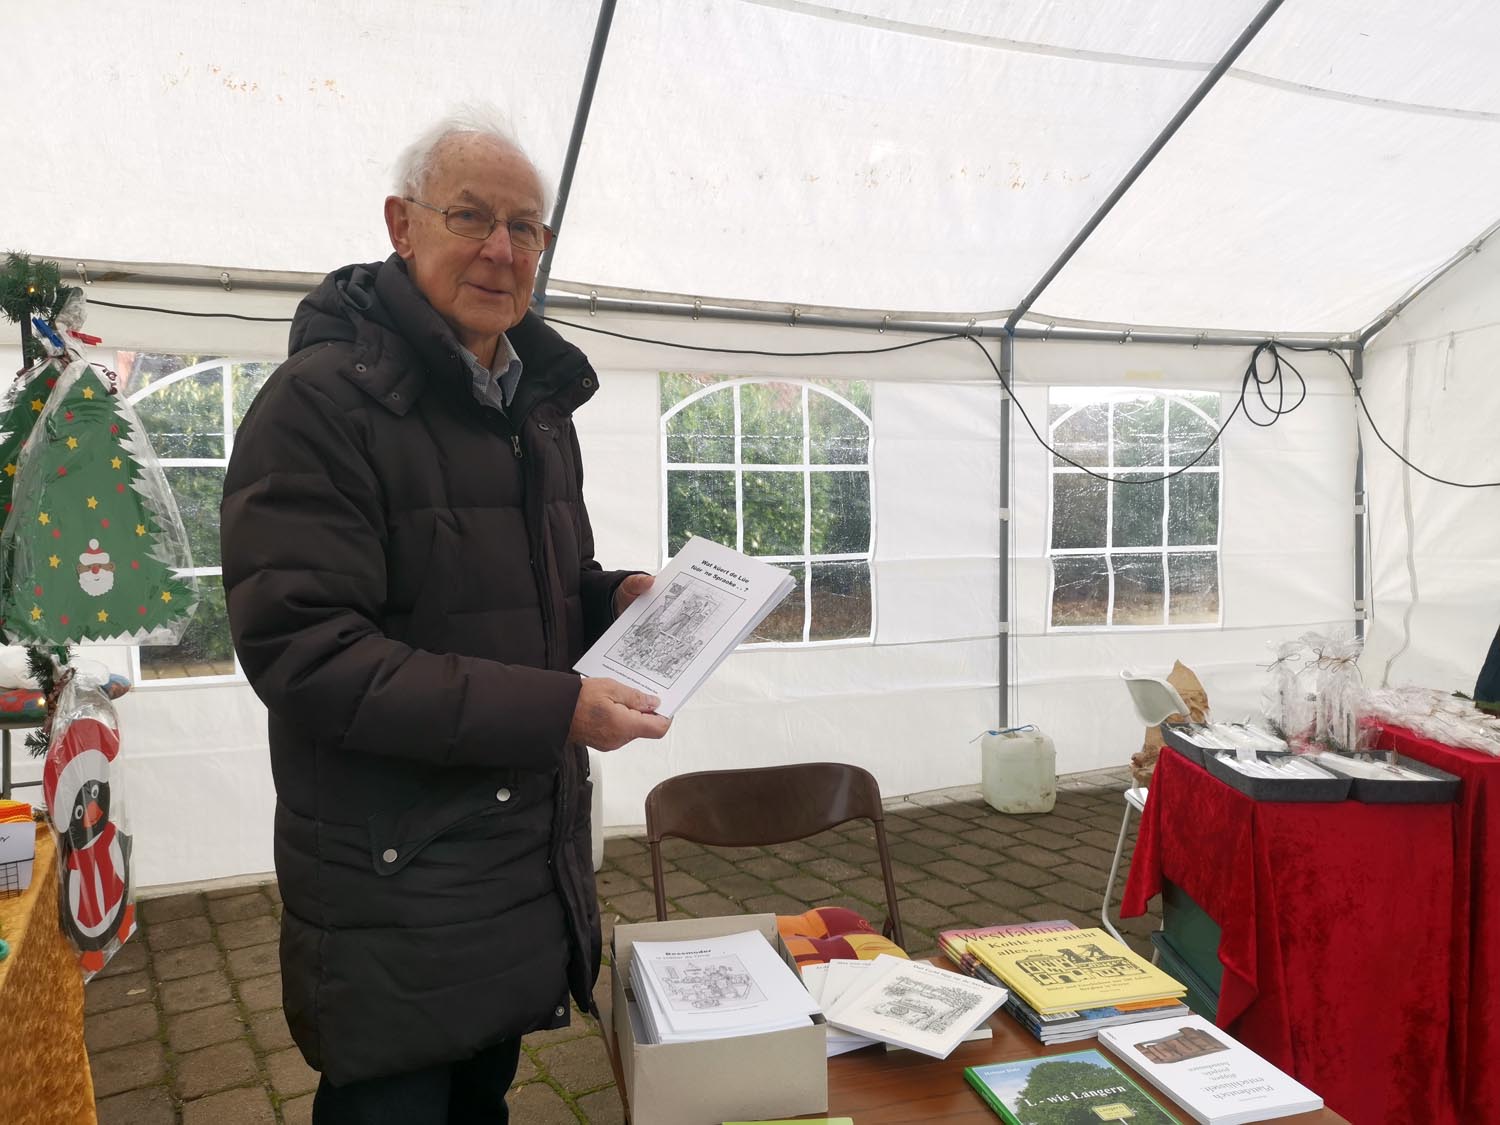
(376,307)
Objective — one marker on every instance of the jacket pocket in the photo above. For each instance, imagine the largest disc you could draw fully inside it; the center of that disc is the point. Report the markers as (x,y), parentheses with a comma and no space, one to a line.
(482,808)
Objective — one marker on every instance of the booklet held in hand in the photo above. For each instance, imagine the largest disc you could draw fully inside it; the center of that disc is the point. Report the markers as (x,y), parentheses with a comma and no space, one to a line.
(702,605)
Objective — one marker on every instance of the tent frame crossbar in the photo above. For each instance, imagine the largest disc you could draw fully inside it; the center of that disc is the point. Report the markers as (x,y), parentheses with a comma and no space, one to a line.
(1209,82)
(575,142)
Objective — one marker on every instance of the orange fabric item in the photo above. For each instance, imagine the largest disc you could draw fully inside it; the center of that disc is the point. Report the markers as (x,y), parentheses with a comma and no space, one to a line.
(827,933)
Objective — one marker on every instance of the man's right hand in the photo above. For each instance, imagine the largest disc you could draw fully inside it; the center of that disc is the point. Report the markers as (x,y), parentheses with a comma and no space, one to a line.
(609,714)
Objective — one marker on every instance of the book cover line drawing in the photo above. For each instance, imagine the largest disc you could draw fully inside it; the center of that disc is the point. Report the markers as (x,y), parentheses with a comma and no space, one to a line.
(660,646)
(720,983)
(923,1005)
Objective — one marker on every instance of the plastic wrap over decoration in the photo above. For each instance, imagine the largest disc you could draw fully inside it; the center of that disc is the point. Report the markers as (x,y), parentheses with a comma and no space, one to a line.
(85,807)
(1313,690)
(93,548)
(1438,715)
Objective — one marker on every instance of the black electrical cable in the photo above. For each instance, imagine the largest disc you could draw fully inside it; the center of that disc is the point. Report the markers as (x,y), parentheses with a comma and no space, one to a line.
(1275,378)
(185,312)
(1364,406)
(756,351)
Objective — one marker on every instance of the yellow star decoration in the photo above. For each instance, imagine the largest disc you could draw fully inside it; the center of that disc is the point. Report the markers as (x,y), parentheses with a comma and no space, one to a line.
(140,529)
(114,463)
(10,470)
(93,502)
(36,405)
(44,519)
(36,613)
(52,561)
(88,392)
(166,596)
(72,443)
(103,615)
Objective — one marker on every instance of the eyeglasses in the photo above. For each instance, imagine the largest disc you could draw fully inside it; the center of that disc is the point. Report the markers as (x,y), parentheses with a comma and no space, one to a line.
(471,222)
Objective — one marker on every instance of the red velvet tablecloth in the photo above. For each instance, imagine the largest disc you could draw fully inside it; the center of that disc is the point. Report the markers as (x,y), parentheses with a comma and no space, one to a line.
(1475,1042)
(1336,927)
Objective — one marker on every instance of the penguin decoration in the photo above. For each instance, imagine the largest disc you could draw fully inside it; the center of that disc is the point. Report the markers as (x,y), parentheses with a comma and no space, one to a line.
(93,854)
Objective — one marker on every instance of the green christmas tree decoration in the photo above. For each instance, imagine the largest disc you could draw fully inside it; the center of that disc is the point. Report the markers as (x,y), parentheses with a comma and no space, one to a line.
(20,407)
(30,287)
(93,538)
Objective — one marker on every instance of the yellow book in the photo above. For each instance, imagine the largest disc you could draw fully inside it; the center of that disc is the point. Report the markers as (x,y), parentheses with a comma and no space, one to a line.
(1072,970)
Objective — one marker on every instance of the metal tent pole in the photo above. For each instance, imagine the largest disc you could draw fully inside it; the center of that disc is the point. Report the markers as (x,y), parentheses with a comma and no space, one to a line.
(575,143)
(1208,83)
(1360,507)
(1007,359)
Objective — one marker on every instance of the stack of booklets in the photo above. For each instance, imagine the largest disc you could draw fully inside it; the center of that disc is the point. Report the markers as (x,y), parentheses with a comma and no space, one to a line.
(914,1005)
(1212,1076)
(1066,984)
(827,981)
(704,602)
(714,988)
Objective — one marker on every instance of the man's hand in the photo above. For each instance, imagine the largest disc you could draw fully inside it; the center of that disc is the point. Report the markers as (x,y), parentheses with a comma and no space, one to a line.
(609,714)
(630,589)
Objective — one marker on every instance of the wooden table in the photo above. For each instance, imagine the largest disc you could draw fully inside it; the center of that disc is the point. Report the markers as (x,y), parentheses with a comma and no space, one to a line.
(879,1087)
(44,1069)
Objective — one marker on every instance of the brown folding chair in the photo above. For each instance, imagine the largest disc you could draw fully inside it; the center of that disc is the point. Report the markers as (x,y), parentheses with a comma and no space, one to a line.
(768,805)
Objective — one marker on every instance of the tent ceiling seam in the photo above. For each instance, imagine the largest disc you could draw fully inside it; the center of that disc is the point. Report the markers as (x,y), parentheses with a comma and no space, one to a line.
(1113,58)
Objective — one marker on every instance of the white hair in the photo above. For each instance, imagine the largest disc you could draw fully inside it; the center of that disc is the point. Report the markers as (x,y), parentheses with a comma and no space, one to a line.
(417,159)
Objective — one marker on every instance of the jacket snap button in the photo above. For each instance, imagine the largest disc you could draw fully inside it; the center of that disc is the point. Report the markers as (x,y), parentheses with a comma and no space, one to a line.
(395,397)
(359,367)
(543,426)
(502,794)
(389,855)
(588,383)
(559,1011)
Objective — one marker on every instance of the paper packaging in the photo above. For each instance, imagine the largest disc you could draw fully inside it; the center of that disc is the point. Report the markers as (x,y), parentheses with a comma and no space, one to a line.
(777,1074)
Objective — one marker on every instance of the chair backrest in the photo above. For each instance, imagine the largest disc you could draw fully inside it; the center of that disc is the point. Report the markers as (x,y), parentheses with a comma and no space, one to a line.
(1154,698)
(766,805)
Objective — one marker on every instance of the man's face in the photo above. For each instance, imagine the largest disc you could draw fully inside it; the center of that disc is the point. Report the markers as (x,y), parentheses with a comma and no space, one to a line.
(481,288)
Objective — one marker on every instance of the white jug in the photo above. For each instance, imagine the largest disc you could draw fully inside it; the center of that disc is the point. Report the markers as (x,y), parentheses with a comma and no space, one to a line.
(1019,773)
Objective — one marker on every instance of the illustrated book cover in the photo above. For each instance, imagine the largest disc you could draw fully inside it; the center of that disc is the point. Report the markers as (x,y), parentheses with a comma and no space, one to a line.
(915,1005)
(1210,1074)
(1082,1086)
(1072,970)
(704,602)
(715,988)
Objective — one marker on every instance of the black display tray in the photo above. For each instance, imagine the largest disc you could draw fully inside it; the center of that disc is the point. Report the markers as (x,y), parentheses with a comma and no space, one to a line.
(1443,789)
(1177,738)
(1277,788)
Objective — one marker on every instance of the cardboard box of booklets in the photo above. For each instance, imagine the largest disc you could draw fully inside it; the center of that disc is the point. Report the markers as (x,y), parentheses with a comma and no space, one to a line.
(777,1074)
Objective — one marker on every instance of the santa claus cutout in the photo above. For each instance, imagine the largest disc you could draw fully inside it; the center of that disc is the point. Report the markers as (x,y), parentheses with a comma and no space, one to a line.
(94,856)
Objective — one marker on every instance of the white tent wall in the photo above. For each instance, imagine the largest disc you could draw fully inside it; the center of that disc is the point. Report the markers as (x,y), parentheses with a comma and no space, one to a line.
(1431,388)
(1286,547)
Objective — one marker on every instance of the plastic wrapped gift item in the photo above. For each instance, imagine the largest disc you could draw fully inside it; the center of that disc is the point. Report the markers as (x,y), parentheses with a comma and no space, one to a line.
(1338,690)
(1288,699)
(86,810)
(94,548)
(1437,715)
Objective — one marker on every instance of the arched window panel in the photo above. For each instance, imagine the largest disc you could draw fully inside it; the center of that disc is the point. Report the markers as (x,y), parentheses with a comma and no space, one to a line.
(1134,552)
(190,406)
(780,470)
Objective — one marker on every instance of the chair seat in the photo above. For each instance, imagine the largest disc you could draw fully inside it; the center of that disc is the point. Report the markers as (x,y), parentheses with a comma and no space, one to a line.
(1137,798)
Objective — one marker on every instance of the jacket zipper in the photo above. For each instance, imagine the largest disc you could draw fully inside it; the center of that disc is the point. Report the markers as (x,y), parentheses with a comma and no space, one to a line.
(539,544)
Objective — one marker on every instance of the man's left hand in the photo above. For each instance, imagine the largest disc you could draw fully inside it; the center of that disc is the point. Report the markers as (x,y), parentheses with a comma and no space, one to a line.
(630,589)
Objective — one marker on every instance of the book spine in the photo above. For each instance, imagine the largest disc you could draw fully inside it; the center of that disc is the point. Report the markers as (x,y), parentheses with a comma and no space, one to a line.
(983,1090)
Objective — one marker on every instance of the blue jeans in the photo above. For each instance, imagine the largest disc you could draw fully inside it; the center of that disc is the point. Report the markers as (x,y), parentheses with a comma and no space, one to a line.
(471,1092)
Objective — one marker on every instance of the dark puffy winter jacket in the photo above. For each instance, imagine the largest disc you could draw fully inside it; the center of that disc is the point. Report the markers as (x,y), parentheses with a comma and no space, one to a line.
(410,577)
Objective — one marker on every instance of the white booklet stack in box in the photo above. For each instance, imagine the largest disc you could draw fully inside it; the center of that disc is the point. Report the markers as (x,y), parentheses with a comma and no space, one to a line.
(1213,1077)
(715,988)
(702,605)
(915,1005)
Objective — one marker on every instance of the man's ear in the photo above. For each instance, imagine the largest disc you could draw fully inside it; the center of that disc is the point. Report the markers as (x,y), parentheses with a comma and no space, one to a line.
(398,225)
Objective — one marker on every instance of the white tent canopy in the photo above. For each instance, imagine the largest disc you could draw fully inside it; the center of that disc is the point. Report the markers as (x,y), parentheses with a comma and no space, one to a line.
(827,168)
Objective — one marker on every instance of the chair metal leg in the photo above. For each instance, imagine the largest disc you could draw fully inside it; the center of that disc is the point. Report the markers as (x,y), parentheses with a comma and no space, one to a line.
(5,765)
(1114,869)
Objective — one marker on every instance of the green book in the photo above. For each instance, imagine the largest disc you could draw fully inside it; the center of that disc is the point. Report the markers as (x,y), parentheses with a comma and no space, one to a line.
(1079,1088)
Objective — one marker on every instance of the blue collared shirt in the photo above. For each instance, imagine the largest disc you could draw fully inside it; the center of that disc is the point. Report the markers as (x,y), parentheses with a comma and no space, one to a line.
(495,386)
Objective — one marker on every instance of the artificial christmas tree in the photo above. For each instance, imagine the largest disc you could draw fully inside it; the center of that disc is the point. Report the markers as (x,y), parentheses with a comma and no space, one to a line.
(93,538)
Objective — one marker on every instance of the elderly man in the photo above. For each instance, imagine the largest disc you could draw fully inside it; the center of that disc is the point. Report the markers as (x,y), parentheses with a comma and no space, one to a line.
(410,576)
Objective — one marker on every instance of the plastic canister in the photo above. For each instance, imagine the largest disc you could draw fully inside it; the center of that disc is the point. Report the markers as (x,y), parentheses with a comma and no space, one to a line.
(1019,770)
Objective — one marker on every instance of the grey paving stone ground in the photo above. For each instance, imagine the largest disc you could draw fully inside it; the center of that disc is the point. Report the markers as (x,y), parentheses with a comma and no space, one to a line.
(185,1025)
